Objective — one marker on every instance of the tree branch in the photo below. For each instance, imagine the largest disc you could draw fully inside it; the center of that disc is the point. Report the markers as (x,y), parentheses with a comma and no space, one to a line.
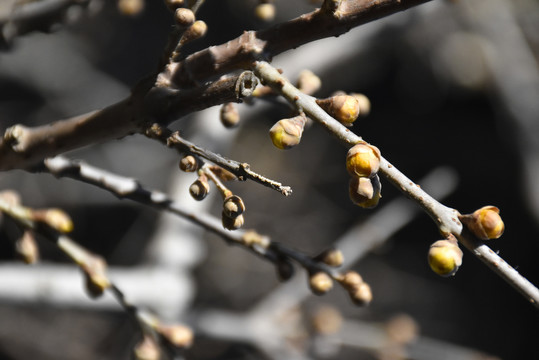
(445,217)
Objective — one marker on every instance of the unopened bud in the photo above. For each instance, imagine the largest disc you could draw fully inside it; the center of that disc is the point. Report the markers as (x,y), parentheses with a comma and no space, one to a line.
(229,115)
(184,17)
(130,7)
(364,191)
(147,349)
(308,82)
(265,12)
(364,104)
(445,257)
(55,218)
(26,248)
(320,283)
(189,163)
(363,160)
(232,223)
(178,335)
(95,274)
(233,206)
(286,133)
(361,295)
(485,223)
(331,257)
(200,188)
(344,108)
(350,280)
(195,31)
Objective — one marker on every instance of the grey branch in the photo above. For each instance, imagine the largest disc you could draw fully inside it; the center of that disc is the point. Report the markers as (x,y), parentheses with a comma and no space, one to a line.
(446,218)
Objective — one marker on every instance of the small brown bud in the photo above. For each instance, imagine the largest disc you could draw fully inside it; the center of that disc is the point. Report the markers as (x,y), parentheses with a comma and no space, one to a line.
(94,269)
(361,295)
(178,335)
(344,108)
(363,160)
(286,133)
(147,349)
(320,283)
(189,163)
(350,280)
(229,115)
(331,257)
(184,17)
(195,31)
(265,12)
(130,7)
(55,218)
(26,248)
(308,82)
(233,206)
(445,257)
(365,192)
(232,223)
(485,223)
(200,188)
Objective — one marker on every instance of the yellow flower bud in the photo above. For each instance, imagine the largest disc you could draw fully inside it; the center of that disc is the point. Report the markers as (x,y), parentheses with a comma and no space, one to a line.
(320,283)
(97,281)
(200,188)
(365,192)
(361,295)
(364,104)
(189,163)
(195,31)
(331,257)
(55,218)
(184,17)
(265,12)
(26,248)
(233,206)
(485,223)
(286,133)
(344,108)
(178,335)
(350,280)
(445,257)
(363,160)
(147,349)
(229,115)
(232,223)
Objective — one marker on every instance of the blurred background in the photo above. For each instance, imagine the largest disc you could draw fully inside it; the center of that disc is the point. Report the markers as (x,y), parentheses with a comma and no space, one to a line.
(454,89)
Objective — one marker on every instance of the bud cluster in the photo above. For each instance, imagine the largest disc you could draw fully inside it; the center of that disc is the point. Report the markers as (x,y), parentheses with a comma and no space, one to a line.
(232,215)
(359,291)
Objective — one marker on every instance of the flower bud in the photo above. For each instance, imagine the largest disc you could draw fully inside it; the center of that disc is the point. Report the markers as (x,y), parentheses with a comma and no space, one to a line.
(178,335)
(364,104)
(485,223)
(286,133)
(361,295)
(445,257)
(344,108)
(233,206)
(26,248)
(265,12)
(308,82)
(130,7)
(147,349)
(195,31)
(363,160)
(189,163)
(97,281)
(55,218)
(184,17)
(350,280)
(320,283)
(200,188)
(365,192)
(232,223)
(229,115)
(331,257)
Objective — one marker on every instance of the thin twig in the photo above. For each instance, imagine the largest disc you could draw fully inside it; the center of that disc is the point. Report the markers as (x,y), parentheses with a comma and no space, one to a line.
(445,218)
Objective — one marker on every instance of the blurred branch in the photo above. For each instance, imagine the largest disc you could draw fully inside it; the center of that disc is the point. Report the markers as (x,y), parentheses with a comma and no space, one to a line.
(445,218)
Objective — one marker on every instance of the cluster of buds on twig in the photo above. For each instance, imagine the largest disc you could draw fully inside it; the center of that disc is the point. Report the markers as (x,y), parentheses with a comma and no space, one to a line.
(363,163)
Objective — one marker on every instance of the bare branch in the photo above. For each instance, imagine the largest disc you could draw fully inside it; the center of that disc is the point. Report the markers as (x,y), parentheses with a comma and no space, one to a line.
(446,218)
